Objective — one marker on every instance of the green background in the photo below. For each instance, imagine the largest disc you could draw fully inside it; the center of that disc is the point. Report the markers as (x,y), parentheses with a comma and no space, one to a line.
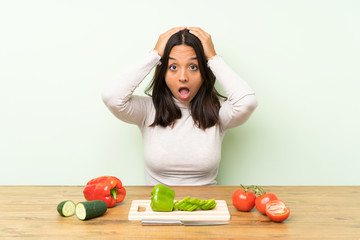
(302,59)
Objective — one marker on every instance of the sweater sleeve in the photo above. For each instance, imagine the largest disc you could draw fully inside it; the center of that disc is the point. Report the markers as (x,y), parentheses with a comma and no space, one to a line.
(118,95)
(241,100)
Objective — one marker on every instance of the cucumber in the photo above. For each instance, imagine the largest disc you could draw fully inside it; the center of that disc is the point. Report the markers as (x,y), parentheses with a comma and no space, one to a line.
(90,209)
(66,208)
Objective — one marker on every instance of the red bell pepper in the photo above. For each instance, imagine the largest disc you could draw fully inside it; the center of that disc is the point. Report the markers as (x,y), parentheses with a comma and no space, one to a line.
(107,188)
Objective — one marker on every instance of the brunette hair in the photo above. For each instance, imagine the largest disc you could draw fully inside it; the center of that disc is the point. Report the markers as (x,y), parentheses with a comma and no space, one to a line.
(204,106)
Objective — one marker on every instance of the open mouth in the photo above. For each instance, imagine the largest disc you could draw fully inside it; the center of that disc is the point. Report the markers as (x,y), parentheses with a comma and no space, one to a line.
(184,93)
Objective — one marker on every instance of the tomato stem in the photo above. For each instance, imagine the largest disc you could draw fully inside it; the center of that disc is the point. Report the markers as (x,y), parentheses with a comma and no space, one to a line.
(257,190)
(245,188)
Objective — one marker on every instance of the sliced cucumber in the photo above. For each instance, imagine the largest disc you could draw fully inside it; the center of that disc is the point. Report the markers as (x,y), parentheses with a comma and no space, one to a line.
(90,209)
(66,208)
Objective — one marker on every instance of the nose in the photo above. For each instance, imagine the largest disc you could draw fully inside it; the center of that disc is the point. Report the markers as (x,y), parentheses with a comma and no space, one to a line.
(183,76)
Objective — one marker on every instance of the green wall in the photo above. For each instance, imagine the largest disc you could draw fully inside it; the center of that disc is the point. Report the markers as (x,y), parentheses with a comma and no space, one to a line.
(301,57)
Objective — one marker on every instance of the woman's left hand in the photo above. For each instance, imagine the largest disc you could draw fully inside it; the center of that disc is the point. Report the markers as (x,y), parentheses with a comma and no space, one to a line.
(206,41)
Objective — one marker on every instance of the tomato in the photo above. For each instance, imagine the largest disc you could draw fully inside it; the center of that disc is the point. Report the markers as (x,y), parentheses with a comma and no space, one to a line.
(243,199)
(262,200)
(277,211)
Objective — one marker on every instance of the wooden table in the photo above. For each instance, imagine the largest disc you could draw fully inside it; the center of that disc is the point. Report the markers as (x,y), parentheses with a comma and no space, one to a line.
(323,212)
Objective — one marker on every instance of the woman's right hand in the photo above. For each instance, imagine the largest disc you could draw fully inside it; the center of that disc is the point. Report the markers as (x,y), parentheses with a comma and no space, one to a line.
(163,39)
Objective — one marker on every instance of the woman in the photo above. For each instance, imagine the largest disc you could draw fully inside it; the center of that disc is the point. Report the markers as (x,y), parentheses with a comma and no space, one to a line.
(184,119)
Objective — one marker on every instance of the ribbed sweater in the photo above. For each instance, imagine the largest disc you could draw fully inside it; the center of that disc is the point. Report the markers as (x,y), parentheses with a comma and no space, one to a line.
(183,154)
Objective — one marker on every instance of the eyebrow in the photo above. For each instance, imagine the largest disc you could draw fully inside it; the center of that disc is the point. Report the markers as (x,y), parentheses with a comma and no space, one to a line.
(194,58)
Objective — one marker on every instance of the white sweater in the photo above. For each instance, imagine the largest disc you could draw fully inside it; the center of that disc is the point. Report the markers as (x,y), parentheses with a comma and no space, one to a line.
(184,154)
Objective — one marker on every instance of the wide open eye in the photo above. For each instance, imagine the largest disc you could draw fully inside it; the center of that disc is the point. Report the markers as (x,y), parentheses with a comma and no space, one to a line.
(172,67)
(194,67)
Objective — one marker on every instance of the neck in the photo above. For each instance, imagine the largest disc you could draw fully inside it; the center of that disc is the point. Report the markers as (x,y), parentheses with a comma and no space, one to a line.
(180,104)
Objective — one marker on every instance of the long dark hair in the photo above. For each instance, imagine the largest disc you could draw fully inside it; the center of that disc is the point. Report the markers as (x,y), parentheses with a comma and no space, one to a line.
(204,106)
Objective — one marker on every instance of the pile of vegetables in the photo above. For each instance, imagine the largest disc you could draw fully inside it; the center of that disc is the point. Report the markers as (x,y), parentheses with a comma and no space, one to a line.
(246,198)
(101,193)
(162,200)
(105,192)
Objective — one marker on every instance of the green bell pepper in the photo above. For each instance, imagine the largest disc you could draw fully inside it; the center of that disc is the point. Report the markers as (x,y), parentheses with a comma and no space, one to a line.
(162,198)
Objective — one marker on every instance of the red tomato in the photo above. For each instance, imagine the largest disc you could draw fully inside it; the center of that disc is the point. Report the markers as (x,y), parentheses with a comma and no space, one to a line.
(262,200)
(243,200)
(277,211)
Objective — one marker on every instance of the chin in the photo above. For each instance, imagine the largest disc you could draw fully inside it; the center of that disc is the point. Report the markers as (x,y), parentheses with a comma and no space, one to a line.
(184,101)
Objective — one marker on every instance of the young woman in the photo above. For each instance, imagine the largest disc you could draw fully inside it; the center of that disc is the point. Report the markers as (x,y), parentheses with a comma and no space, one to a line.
(184,119)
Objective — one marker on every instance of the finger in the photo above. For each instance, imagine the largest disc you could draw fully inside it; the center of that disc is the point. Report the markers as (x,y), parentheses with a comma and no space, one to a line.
(164,37)
(206,41)
(196,28)
(199,30)
(195,32)
(199,33)
(174,30)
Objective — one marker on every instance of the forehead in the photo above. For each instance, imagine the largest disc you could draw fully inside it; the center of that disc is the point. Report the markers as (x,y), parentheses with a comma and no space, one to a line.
(182,52)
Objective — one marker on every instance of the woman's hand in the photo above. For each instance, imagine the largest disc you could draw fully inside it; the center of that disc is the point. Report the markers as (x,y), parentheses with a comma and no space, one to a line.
(163,39)
(206,41)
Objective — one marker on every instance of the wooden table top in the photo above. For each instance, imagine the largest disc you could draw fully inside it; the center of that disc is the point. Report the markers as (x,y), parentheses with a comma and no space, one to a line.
(317,212)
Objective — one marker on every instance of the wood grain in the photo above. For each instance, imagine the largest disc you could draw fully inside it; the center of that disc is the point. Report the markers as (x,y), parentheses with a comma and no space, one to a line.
(317,212)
